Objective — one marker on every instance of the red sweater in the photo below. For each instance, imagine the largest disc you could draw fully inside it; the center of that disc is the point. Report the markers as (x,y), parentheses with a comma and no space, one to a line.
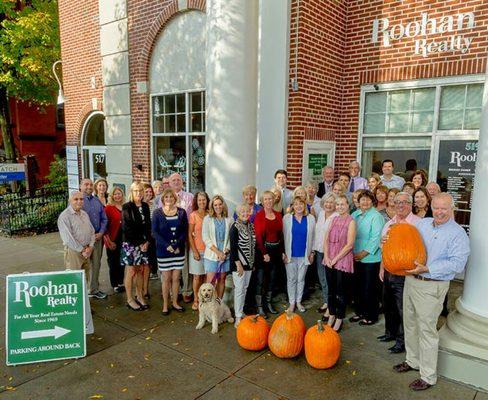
(114,216)
(267,230)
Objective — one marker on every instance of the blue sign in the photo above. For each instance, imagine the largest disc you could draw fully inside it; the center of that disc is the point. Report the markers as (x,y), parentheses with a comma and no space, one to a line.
(12,172)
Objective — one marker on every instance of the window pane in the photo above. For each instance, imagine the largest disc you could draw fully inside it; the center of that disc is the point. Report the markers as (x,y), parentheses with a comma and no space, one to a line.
(422,121)
(99,169)
(196,122)
(472,119)
(170,124)
(400,100)
(423,99)
(158,124)
(196,101)
(398,123)
(170,155)
(474,96)
(197,163)
(180,122)
(451,119)
(180,103)
(374,123)
(94,134)
(158,105)
(375,102)
(452,97)
(169,104)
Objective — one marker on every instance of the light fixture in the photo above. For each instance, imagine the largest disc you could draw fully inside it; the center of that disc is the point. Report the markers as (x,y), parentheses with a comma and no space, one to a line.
(60,91)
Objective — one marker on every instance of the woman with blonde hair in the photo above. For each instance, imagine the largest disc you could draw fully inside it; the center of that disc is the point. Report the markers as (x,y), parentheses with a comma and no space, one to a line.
(113,238)
(215,234)
(298,228)
(100,188)
(136,235)
(373,181)
(170,227)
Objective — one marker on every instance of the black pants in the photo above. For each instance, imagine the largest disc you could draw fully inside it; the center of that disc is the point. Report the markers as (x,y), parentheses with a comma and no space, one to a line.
(393,306)
(336,282)
(151,253)
(115,267)
(266,272)
(367,274)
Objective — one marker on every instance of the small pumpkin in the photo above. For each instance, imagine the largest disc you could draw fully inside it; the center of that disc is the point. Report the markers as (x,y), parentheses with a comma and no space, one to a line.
(403,246)
(285,338)
(252,333)
(322,346)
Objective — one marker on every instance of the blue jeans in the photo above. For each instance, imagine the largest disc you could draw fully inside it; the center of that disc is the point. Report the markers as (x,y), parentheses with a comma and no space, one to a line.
(322,275)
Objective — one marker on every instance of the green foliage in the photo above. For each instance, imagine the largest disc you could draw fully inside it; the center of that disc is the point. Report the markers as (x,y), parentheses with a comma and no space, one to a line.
(29,45)
(58,175)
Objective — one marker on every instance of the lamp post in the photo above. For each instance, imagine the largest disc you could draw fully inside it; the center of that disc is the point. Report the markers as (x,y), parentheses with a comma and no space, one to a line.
(60,91)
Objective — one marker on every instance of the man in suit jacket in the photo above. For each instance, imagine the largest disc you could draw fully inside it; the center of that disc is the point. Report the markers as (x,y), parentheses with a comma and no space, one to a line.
(326,185)
(280,179)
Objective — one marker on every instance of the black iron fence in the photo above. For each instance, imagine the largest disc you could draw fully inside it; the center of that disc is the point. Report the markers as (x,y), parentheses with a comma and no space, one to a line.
(21,213)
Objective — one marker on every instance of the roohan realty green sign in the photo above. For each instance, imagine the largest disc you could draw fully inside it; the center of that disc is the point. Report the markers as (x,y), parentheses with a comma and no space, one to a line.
(45,317)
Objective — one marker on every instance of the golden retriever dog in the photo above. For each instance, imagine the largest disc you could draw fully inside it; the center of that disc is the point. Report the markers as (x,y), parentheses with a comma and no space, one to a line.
(211,308)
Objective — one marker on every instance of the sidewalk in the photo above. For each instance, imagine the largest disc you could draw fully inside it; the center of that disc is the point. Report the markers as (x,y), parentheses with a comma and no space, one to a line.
(142,355)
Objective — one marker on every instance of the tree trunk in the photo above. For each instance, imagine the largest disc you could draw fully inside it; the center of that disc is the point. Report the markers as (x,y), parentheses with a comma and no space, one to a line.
(6,127)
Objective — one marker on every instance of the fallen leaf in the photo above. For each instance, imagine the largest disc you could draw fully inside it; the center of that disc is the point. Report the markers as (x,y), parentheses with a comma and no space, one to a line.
(148,338)
(97,371)
(354,373)
(175,344)
(124,389)
(131,377)
(348,362)
(112,365)
(96,396)
(10,378)
(10,388)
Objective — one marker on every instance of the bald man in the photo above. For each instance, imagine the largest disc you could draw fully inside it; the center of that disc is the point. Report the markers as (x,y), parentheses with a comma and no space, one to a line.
(77,234)
(426,286)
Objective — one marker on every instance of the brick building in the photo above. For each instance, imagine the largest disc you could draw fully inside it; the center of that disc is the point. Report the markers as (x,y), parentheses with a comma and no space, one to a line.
(312,81)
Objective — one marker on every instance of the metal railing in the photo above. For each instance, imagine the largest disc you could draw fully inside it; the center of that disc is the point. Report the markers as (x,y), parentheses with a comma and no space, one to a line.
(38,213)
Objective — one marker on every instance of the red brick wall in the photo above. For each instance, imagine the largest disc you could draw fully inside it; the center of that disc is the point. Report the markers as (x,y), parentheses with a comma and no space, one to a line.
(314,111)
(80,53)
(366,62)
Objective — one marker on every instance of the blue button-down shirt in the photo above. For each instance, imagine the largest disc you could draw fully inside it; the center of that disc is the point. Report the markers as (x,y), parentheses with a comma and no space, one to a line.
(96,212)
(447,248)
(395,182)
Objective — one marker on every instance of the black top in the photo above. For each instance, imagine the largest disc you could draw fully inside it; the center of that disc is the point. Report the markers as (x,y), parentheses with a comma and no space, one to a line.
(242,245)
(136,225)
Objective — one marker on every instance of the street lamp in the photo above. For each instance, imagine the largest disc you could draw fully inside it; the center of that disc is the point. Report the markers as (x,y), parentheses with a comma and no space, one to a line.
(60,92)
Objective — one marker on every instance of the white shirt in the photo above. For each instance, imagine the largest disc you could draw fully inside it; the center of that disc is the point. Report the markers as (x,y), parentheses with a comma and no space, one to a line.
(321,228)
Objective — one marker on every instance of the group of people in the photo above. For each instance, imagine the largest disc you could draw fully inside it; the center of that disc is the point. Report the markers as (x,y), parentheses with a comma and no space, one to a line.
(337,227)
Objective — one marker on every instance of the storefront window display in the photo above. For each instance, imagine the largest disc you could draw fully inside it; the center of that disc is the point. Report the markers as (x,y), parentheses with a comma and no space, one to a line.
(178,129)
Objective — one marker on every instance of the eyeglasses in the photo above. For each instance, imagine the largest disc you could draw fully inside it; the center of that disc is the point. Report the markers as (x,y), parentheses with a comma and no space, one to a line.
(401,203)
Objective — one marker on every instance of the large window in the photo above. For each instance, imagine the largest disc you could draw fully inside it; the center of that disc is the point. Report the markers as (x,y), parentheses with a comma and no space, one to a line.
(93,147)
(178,128)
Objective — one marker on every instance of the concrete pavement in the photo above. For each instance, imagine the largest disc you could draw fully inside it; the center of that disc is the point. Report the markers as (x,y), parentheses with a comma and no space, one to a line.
(143,355)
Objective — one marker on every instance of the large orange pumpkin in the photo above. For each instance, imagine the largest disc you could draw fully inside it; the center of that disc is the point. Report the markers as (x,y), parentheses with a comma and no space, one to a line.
(403,247)
(322,346)
(285,338)
(252,333)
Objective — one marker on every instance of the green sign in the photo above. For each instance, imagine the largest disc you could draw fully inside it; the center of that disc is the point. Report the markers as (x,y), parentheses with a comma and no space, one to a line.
(316,162)
(45,317)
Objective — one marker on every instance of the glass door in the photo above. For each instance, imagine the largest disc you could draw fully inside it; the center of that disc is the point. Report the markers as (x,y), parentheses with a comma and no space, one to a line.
(94,162)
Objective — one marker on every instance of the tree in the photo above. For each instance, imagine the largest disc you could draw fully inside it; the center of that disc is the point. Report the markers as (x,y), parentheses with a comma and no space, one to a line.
(29,45)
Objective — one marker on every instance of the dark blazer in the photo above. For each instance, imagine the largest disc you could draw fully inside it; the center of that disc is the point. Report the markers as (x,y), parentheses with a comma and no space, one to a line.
(134,230)
(165,236)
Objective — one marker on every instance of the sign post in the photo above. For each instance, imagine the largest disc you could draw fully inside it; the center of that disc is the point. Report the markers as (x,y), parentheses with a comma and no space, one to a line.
(45,317)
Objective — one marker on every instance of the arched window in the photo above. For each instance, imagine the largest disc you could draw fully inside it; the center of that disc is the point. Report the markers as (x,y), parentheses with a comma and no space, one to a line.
(93,147)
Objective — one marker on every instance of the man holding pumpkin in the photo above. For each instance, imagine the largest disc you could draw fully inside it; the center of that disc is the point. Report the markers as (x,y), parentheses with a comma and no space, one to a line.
(393,284)
(426,286)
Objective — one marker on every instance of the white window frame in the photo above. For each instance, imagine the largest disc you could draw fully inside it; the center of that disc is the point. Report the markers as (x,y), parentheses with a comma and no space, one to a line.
(91,148)
(438,83)
(186,134)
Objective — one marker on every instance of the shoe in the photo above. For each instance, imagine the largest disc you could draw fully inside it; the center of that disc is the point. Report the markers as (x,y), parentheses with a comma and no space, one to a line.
(385,338)
(178,309)
(396,349)
(419,384)
(322,309)
(301,308)
(119,289)
(340,326)
(143,306)
(365,322)
(186,298)
(132,308)
(238,321)
(269,306)
(325,318)
(403,367)
(98,295)
(259,305)
(153,277)
(147,296)
(355,318)
(165,313)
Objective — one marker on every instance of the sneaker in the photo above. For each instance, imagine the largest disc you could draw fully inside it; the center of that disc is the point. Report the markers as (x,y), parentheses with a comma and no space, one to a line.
(153,276)
(119,289)
(98,295)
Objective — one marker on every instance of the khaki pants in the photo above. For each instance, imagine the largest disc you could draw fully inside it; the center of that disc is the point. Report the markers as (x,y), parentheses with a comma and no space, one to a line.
(75,261)
(96,261)
(422,305)
(187,285)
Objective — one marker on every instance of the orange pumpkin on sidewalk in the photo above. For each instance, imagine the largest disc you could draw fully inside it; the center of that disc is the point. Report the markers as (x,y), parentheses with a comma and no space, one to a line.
(403,246)
(252,333)
(286,335)
(322,346)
